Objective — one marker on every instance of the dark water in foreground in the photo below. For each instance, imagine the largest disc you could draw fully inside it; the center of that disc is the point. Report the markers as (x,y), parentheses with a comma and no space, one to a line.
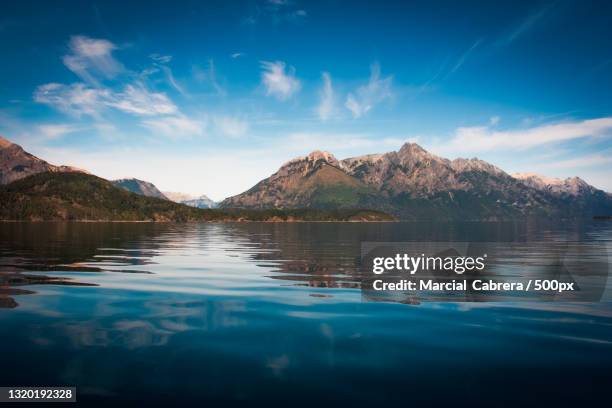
(272,314)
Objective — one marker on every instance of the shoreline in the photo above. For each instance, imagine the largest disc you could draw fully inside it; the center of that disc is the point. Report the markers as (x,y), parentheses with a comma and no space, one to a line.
(201,222)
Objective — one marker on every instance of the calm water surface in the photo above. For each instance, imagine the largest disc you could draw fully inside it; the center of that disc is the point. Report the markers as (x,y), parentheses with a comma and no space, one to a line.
(253,314)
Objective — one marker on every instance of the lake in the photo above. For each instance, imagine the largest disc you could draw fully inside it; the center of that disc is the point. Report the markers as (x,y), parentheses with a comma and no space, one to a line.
(272,313)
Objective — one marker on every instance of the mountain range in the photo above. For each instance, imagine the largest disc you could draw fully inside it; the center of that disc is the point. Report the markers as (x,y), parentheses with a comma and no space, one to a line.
(148,189)
(410,184)
(198,202)
(16,163)
(414,184)
(34,190)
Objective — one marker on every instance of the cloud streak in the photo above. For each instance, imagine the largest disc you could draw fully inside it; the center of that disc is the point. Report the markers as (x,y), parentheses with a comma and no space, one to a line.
(82,100)
(230,126)
(525,25)
(326,107)
(463,57)
(91,58)
(56,131)
(484,138)
(279,82)
(591,160)
(367,96)
(175,126)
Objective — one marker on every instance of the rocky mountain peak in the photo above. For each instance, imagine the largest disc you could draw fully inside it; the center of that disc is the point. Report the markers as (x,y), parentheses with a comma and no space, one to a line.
(16,163)
(576,185)
(572,185)
(412,149)
(322,155)
(140,187)
(308,162)
(475,164)
(411,153)
(4,143)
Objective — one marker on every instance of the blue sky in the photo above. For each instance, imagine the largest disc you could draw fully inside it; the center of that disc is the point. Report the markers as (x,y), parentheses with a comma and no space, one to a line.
(210,97)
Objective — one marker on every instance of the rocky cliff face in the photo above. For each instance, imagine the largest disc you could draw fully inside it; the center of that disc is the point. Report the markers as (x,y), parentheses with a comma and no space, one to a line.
(16,163)
(414,184)
(143,188)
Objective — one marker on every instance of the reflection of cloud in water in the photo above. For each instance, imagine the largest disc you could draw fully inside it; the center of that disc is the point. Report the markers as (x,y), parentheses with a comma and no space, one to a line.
(278,365)
(158,321)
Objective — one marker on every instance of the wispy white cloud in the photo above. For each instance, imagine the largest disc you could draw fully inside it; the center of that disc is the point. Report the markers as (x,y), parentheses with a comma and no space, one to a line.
(160,63)
(278,81)
(231,126)
(297,15)
(326,107)
(367,96)
(209,76)
(75,99)
(212,76)
(484,138)
(463,57)
(162,59)
(172,81)
(590,160)
(56,131)
(494,120)
(91,58)
(525,25)
(175,126)
(237,55)
(138,100)
(79,99)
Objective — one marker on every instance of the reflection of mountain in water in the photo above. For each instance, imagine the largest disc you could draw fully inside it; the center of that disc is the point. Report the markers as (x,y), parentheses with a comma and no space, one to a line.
(68,247)
(199,257)
(325,255)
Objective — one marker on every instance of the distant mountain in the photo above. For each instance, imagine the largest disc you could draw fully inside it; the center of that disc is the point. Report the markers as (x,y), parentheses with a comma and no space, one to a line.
(143,188)
(16,163)
(79,196)
(573,195)
(178,197)
(198,202)
(415,184)
(201,202)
